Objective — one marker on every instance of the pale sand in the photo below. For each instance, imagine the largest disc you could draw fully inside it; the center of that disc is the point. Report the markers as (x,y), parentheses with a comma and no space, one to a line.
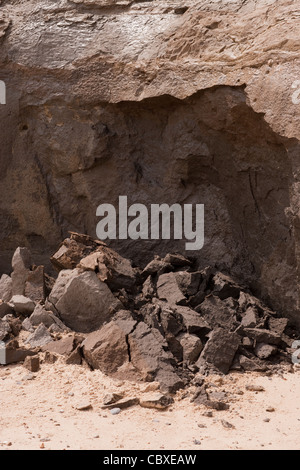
(45,409)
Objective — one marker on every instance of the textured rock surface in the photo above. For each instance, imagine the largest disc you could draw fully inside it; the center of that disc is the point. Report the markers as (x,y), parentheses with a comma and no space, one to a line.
(107,348)
(22,304)
(41,315)
(21,264)
(40,337)
(83,302)
(219,350)
(151,360)
(106,98)
(137,336)
(5,288)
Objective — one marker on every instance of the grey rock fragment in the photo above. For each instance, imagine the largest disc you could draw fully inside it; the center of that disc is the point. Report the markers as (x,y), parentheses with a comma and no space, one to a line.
(40,337)
(83,301)
(22,304)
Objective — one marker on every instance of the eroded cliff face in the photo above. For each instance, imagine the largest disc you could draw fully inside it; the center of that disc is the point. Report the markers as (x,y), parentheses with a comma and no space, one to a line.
(162,102)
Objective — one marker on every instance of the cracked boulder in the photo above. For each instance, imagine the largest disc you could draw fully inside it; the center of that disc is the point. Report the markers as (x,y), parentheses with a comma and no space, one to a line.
(107,348)
(125,343)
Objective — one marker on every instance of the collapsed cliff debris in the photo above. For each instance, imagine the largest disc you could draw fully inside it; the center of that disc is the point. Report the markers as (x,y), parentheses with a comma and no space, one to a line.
(169,322)
(163,103)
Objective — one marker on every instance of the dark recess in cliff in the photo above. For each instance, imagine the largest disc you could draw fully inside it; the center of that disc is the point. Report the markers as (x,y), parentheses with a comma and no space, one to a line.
(64,160)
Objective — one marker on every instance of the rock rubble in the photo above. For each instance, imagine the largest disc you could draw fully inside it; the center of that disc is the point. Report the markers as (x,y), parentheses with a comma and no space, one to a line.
(169,323)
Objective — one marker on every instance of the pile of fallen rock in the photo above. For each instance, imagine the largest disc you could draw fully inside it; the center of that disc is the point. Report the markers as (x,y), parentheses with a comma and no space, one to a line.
(170,322)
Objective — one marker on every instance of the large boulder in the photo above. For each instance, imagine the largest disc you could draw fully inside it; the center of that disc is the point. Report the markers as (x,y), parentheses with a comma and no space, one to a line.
(83,302)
